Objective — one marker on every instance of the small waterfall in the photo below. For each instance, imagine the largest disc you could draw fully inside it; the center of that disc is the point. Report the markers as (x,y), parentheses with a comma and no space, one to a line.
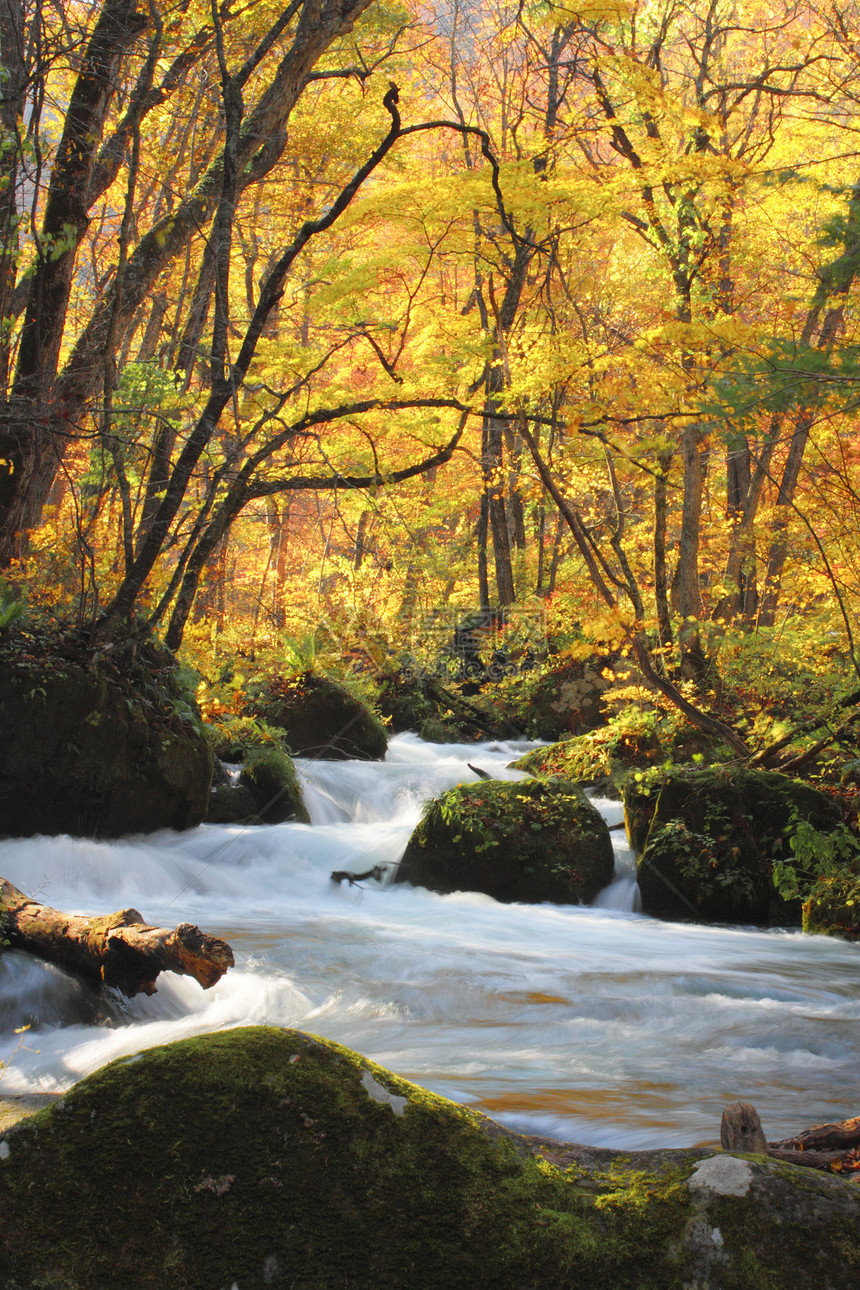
(622,894)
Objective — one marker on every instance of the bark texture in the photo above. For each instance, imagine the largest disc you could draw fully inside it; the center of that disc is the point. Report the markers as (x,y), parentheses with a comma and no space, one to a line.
(118,949)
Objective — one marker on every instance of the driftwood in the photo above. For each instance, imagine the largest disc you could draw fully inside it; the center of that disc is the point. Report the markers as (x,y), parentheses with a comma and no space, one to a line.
(833,1147)
(741,1129)
(118,949)
(482,774)
(343,875)
(825,1146)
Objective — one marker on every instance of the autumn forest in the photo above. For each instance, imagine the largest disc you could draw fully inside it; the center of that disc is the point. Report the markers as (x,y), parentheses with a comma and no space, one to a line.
(430,580)
(328,312)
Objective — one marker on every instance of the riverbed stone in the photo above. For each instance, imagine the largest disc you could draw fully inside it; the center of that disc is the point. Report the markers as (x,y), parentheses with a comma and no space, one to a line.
(264,1157)
(708,840)
(320,717)
(96,743)
(530,841)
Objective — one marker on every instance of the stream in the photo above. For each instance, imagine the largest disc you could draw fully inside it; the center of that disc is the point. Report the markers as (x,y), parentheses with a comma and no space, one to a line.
(590,1024)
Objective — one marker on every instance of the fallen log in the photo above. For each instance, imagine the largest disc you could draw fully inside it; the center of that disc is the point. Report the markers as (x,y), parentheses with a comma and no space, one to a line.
(119,950)
(825,1137)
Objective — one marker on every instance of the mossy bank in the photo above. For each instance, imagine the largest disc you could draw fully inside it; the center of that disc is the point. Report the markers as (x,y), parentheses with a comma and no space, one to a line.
(263,1157)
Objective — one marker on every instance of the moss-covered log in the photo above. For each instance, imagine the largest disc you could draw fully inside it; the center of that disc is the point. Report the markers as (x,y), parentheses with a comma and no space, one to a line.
(118,949)
(266,1158)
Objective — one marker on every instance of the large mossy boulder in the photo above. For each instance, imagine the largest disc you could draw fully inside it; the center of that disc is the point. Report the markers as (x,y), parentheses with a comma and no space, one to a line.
(708,840)
(96,744)
(267,792)
(319,717)
(529,841)
(260,1158)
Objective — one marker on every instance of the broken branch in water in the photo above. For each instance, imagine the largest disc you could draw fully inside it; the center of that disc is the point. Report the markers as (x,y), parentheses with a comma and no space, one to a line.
(343,875)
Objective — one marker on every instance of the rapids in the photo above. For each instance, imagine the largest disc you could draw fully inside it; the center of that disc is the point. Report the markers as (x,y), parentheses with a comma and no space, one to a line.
(590,1024)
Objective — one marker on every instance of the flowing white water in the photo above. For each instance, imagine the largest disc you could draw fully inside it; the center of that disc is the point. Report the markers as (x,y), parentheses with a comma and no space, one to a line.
(590,1024)
(623,893)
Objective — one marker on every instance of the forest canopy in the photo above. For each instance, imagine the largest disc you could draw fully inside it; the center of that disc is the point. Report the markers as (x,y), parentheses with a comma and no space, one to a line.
(351,311)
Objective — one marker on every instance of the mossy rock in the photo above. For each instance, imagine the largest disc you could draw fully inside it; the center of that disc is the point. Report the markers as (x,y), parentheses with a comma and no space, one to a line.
(320,718)
(94,746)
(569,699)
(597,757)
(439,730)
(263,1157)
(708,840)
(405,701)
(833,908)
(232,804)
(268,792)
(535,840)
(271,777)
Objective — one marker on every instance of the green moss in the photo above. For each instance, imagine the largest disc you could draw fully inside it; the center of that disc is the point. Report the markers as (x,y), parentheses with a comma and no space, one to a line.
(709,839)
(600,755)
(96,742)
(833,907)
(442,730)
(535,840)
(319,717)
(263,1157)
(271,776)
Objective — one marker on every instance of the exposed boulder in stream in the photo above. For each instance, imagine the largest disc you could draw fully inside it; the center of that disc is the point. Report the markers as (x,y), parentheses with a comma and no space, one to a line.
(268,792)
(96,743)
(262,1157)
(319,717)
(405,700)
(708,840)
(529,841)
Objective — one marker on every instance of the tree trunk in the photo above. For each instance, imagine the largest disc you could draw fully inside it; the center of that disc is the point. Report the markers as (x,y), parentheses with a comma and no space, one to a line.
(661,569)
(30,443)
(12,42)
(34,438)
(119,950)
(835,283)
(686,595)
